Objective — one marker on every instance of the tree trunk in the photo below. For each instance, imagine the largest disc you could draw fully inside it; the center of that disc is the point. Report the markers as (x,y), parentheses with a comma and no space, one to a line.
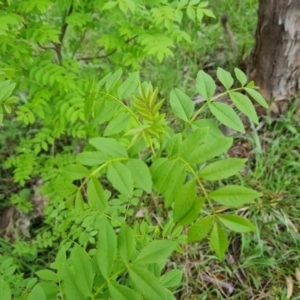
(275,62)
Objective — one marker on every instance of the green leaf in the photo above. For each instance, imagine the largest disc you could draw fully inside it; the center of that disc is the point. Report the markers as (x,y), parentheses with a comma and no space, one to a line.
(222,169)
(236,223)
(173,145)
(168,178)
(241,76)
(109,146)
(257,97)
(200,229)
(126,243)
(226,115)
(109,5)
(182,105)
(192,213)
(218,241)
(225,78)
(117,124)
(171,279)
(83,270)
(64,189)
(75,172)
(208,13)
(49,288)
(147,284)
(47,275)
(156,252)
(214,132)
(182,3)
(200,14)
(78,202)
(5,293)
(244,105)
(190,12)
(6,88)
(60,261)
(195,139)
(234,195)
(205,85)
(120,178)
(121,292)
(128,86)
(106,248)
(186,209)
(36,293)
(155,168)
(70,286)
(209,150)
(140,174)
(103,81)
(113,79)
(161,174)
(92,158)
(89,100)
(96,196)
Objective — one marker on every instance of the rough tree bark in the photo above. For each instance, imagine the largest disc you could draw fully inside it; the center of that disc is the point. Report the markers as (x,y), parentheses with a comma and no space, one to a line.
(275,61)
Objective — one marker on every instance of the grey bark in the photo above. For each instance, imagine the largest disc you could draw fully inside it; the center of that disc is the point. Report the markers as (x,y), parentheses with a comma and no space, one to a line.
(275,61)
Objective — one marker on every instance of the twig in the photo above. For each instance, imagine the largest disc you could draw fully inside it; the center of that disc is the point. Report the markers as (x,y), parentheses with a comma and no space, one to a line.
(106,55)
(224,20)
(46,48)
(81,39)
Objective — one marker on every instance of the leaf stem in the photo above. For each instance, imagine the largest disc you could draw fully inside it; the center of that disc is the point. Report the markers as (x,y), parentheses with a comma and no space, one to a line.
(207,102)
(198,181)
(122,104)
(109,280)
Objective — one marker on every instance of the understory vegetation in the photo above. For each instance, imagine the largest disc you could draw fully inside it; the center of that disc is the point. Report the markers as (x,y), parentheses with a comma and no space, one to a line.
(133,162)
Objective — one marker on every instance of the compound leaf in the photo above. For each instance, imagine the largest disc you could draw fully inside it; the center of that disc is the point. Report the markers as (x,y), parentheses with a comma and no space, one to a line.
(147,284)
(106,248)
(122,292)
(200,229)
(156,252)
(244,105)
(96,196)
(120,178)
(234,195)
(218,240)
(128,86)
(205,85)
(222,169)
(236,223)
(226,115)
(140,174)
(182,105)
(126,243)
(225,78)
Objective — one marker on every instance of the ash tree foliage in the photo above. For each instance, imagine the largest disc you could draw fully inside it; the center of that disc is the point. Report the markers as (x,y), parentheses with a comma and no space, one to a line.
(127,153)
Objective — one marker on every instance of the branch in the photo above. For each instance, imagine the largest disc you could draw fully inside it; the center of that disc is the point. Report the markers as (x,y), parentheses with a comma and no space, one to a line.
(64,26)
(46,48)
(97,57)
(106,55)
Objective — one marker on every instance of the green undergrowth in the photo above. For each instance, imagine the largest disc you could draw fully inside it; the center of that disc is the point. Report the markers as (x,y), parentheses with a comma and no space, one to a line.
(61,142)
(261,261)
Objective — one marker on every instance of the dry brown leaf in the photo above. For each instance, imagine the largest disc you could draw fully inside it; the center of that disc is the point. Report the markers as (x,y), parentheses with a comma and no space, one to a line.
(290,286)
(297,273)
(225,286)
(140,213)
